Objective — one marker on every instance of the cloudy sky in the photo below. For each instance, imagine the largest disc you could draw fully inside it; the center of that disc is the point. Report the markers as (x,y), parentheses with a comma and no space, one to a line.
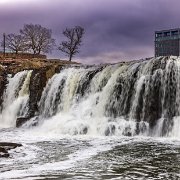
(116,30)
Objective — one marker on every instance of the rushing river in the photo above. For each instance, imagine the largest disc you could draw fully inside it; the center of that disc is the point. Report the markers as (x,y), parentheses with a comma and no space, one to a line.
(84,157)
(118,121)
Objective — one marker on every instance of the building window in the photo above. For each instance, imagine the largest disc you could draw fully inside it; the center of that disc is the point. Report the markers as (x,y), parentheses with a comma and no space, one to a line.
(167,33)
(174,33)
(158,35)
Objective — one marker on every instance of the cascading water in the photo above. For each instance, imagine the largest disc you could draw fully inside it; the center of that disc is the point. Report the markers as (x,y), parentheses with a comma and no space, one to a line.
(15,99)
(140,99)
(122,99)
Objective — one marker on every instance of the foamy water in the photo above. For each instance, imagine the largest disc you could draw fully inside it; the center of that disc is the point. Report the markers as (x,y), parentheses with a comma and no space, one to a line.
(89,157)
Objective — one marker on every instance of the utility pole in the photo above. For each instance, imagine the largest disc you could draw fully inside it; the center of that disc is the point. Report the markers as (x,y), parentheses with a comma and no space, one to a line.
(4,44)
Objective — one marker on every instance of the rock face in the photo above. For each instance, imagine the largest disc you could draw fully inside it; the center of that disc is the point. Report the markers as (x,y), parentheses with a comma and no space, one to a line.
(37,83)
(5,147)
(3,81)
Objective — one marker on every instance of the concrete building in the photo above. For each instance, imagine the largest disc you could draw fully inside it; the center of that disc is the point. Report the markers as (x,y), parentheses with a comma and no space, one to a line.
(167,42)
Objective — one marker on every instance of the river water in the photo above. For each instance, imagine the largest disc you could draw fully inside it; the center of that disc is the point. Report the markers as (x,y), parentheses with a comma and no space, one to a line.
(118,121)
(87,157)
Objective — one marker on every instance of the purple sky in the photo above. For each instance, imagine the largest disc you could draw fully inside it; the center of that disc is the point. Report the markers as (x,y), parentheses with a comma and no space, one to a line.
(116,30)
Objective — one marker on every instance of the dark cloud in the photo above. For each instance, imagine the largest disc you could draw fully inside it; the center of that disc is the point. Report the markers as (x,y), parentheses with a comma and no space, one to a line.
(115,29)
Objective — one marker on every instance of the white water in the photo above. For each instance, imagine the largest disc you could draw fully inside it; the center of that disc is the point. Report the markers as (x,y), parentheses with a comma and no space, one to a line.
(176,128)
(90,114)
(76,101)
(16,99)
(82,116)
(83,157)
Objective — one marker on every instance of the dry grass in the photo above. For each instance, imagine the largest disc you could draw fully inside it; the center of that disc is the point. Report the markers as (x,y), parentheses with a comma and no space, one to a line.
(16,65)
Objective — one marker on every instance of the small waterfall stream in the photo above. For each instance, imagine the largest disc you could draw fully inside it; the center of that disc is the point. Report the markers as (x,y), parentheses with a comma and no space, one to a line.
(16,98)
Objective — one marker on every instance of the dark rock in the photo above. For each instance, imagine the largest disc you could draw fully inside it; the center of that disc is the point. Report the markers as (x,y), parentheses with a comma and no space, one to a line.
(3,153)
(10,145)
(3,81)
(37,84)
(38,81)
(127,131)
(2,150)
(110,130)
(5,147)
(21,120)
(85,130)
(85,82)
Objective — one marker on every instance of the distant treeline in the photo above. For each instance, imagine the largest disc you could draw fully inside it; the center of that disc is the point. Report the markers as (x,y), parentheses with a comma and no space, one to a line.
(35,39)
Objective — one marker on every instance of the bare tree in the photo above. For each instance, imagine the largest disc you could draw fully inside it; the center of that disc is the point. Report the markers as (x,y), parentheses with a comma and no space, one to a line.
(38,38)
(72,45)
(15,43)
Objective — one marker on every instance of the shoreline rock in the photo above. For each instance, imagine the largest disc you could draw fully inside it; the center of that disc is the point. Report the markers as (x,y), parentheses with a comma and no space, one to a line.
(5,147)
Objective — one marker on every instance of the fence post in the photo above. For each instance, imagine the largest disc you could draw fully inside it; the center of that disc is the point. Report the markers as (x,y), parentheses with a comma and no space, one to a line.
(4,44)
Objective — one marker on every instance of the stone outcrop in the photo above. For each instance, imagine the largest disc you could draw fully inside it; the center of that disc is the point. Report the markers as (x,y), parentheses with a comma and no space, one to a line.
(37,83)
(3,81)
(5,147)
(21,120)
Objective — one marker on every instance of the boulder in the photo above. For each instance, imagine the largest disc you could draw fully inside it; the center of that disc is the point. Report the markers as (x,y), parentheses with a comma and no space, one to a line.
(21,120)
(5,147)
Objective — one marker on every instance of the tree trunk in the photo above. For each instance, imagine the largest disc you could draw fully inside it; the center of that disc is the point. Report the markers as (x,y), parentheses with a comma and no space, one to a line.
(34,51)
(70,57)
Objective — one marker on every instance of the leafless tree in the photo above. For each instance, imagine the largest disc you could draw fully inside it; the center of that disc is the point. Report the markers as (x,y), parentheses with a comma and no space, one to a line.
(14,43)
(72,45)
(38,39)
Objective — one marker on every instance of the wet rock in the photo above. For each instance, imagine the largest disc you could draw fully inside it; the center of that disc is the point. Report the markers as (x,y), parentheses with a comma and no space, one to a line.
(167,127)
(21,120)
(110,130)
(127,131)
(85,130)
(3,82)
(37,84)
(85,83)
(9,145)
(5,147)
(3,153)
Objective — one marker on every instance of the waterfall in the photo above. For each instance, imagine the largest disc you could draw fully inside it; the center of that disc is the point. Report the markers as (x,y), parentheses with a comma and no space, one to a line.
(132,98)
(15,98)
(121,99)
